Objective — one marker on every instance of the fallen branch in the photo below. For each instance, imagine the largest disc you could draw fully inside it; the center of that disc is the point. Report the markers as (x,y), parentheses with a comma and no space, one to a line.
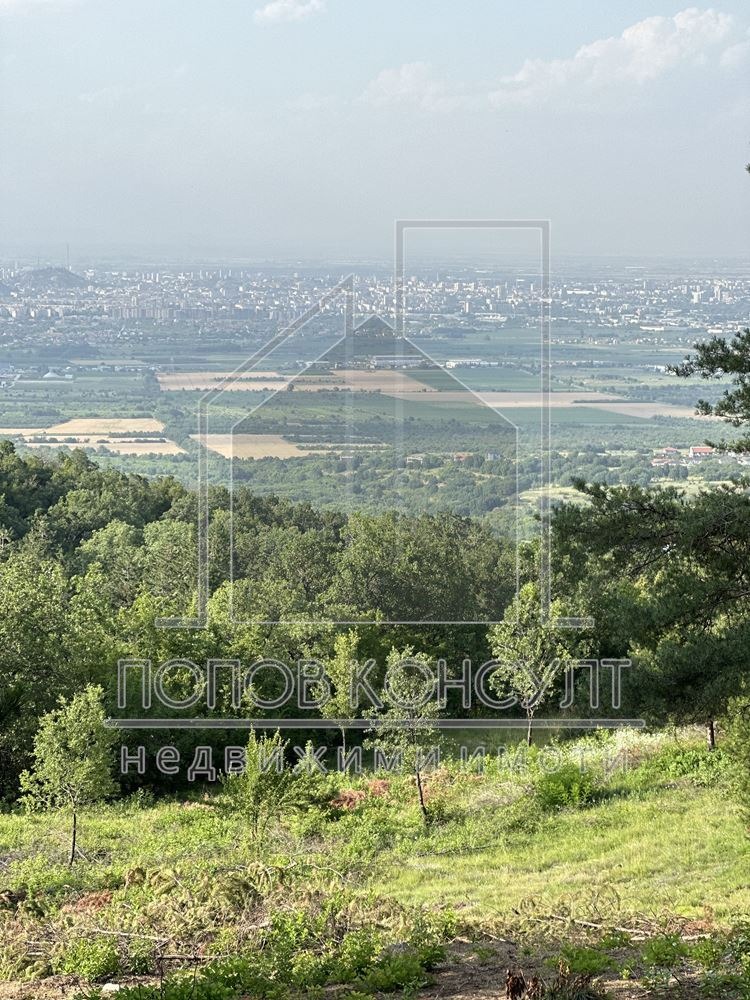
(638,934)
(128,934)
(589,923)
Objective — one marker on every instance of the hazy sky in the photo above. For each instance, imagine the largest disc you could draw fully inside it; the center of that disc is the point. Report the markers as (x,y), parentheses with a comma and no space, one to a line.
(305,127)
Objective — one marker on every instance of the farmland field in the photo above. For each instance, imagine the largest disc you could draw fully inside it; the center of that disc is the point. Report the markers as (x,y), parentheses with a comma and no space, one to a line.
(121,446)
(107,425)
(205,380)
(120,435)
(252,446)
(610,400)
(364,381)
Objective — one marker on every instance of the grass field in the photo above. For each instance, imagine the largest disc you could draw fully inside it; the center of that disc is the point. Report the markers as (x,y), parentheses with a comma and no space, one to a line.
(638,846)
(667,852)
(555,493)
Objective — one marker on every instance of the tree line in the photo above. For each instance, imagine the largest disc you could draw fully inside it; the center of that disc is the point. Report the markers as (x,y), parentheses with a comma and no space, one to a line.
(91,559)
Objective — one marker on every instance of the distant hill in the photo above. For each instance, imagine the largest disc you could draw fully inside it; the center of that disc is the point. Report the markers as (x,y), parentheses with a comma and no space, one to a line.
(374,326)
(44,278)
(372,338)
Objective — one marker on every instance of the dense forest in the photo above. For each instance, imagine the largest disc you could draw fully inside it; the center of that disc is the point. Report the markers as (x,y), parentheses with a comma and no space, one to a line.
(93,559)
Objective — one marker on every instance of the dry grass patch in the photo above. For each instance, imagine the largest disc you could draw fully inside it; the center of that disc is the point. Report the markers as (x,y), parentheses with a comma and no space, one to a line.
(106,425)
(8,432)
(252,446)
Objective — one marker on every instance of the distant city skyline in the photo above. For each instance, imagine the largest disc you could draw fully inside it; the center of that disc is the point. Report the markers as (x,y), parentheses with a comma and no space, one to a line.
(300,129)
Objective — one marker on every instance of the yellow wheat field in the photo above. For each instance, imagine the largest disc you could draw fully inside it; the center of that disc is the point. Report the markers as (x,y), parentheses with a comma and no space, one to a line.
(107,425)
(253,446)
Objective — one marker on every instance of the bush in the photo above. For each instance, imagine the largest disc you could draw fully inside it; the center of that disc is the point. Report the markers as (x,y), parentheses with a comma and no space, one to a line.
(140,959)
(705,768)
(359,949)
(665,952)
(725,957)
(569,785)
(263,789)
(92,958)
(568,986)
(581,961)
(401,969)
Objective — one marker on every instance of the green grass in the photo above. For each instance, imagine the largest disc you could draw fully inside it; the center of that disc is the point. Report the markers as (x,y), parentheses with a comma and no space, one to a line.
(655,839)
(669,851)
(661,841)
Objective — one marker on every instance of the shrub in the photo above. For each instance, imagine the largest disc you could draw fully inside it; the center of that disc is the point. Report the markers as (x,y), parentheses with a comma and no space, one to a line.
(568,986)
(92,958)
(359,949)
(397,969)
(140,959)
(581,961)
(264,788)
(569,785)
(661,955)
(705,768)
(664,952)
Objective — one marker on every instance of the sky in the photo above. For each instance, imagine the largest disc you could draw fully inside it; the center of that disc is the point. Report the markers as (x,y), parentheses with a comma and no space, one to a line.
(304,128)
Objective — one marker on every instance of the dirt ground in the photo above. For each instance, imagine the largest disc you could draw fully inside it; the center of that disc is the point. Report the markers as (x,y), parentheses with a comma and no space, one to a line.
(55,988)
(478,972)
(472,971)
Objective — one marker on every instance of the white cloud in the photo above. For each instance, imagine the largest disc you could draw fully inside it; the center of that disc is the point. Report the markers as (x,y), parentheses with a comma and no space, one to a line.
(642,53)
(736,55)
(288,10)
(412,84)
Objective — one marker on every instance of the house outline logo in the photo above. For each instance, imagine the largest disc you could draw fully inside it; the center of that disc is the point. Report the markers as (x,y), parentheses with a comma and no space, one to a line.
(345,289)
(410,351)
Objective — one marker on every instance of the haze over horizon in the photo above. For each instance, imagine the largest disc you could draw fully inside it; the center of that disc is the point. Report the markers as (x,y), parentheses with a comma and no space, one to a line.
(300,129)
